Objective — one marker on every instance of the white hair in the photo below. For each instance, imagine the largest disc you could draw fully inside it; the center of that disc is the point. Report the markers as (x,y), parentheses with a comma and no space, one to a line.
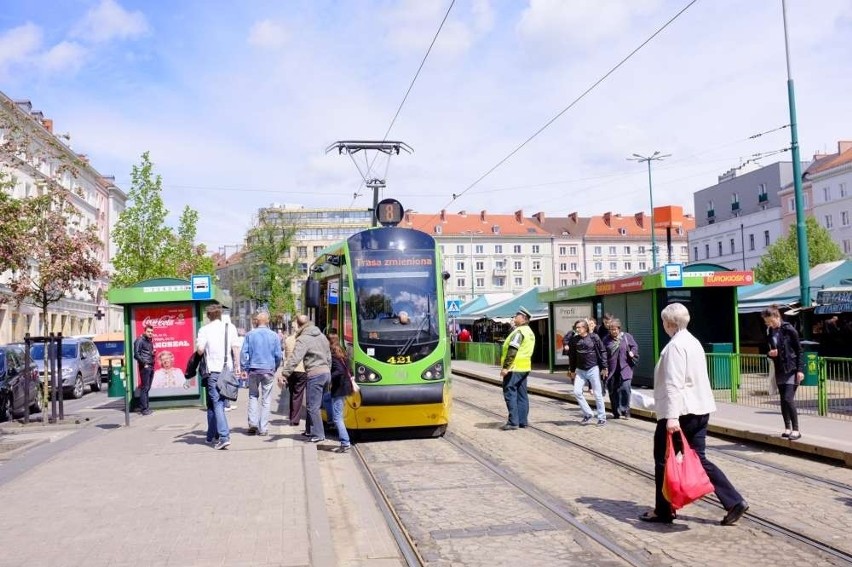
(677,314)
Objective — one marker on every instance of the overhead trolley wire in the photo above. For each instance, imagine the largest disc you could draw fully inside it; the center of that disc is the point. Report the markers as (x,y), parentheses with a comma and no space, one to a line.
(456,196)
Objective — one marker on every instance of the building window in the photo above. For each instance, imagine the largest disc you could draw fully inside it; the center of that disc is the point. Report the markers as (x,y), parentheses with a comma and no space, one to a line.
(684,250)
(461,283)
(627,250)
(302,251)
(733,246)
(536,249)
(791,205)
(844,218)
(498,248)
(563,282)
(628,266)
(597,251)
(612,251)
(847,246)
(563,250)
(826,194)
(695,253)
(519,282)
(572,250)
(641,250)
(706,251)
(480,282)
(537,280)
(573,266)
(499,282)
(574,282)
(563,267)
(303,267)
(517,248)
(829,222)
(751,242)
(765,238)
(459,248)
(762,195)
(480,265)
(613,266)
(643,266)
(317,251)
(480,249)
(720,247)
(460,266)
(598,266)
(517,265)
(536,265)
(842,189)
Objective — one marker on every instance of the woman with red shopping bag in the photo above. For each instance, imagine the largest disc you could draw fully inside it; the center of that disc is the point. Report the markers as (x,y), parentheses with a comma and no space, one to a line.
(683,401)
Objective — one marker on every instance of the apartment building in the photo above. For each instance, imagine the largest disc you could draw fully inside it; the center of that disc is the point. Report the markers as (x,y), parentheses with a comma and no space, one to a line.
(569,252)
(96,198)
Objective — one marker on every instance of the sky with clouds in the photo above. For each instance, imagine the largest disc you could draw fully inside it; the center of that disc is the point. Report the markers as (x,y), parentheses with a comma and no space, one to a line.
(237,102)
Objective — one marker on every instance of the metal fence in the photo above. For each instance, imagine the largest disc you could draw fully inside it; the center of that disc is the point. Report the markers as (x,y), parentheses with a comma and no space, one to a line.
(485,353)
(749,379)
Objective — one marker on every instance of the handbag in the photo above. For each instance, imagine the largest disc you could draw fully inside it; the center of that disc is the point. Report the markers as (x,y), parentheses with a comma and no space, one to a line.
(355,387)
(685,479)
(227,384)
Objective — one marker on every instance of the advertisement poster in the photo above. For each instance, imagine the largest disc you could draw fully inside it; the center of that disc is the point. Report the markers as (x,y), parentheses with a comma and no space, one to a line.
(174,341)
(564,317)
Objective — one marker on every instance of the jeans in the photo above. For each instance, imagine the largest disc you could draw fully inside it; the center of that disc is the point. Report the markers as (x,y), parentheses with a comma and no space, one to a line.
(788,405)
(593,375)
(316,387)
(695,430)
(619,395)
(337,403)
(260,385)
(146,374)
(217,423)
(517,400)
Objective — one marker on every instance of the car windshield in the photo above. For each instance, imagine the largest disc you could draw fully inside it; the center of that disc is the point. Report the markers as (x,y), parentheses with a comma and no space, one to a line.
(68,351)
(110,348)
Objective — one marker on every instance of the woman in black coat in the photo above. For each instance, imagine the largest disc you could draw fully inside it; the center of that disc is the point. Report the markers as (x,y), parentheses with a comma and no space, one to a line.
(785,350)
(341,388)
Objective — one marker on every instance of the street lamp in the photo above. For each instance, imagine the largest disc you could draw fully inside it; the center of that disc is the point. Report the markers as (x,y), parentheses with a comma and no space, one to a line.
(648,159)
(470,233)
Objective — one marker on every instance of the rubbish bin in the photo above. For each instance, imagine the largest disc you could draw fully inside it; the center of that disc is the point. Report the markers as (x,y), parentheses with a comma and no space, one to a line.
(720,362)
(116,388)
(811,363)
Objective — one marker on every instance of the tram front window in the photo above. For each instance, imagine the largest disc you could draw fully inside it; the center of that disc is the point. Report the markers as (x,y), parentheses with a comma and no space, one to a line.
(396,307)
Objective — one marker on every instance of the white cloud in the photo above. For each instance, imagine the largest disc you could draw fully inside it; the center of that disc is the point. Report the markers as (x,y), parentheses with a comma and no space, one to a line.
(64,57)
(108,20)
(18,44)
(268,34)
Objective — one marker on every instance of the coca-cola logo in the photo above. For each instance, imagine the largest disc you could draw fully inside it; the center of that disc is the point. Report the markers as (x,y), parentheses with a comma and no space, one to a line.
(163,321)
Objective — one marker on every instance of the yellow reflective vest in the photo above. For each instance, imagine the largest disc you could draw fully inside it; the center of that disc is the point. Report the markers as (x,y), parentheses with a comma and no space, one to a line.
(523,359)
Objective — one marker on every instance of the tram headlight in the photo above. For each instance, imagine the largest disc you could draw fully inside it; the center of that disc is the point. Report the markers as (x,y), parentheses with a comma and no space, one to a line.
(366,374)
(434,372)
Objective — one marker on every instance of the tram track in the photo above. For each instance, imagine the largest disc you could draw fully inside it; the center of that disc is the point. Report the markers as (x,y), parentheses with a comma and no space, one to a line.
(767,525)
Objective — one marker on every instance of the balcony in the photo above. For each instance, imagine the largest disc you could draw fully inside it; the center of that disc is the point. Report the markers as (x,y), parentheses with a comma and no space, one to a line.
(499,272)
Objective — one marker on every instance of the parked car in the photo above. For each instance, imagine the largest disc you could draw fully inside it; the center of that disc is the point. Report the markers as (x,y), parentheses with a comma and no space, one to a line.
(111,347)
(15,378)
(81,365)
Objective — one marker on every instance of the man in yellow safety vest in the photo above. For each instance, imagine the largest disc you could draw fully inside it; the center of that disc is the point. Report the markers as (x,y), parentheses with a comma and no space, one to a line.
(516,363)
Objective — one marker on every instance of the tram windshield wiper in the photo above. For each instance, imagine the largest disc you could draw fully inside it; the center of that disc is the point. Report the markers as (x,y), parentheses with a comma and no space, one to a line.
(423,325)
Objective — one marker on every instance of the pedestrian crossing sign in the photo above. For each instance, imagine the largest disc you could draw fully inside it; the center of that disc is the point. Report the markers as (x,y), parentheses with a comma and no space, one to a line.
(453,306)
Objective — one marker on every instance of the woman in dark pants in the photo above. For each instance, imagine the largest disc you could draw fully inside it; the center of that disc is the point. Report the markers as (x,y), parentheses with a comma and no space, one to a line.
(785,350)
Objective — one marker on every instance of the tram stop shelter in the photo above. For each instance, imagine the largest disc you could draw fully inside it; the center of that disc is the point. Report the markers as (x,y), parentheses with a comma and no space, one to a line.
(708,291)
(175,308)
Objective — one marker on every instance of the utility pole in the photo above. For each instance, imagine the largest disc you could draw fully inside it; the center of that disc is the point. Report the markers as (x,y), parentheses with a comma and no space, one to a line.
(352,147)
(648,159)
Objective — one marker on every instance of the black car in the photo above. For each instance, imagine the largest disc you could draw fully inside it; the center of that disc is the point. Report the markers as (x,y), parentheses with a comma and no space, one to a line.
(14,378)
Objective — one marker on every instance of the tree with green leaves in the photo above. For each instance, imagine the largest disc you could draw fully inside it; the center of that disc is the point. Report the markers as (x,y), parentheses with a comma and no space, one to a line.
(781,259)
(269,272)
(146,247)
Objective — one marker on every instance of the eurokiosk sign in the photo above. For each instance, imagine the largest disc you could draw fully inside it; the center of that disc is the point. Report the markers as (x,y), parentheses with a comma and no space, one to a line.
(174,309)
(708,291)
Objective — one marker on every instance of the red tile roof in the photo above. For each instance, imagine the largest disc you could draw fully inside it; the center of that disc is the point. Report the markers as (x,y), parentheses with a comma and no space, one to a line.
(831,161)
(459,223)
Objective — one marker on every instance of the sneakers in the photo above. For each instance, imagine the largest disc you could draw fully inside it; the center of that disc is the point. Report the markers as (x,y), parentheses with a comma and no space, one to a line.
(306,434)
(601,422)
(146,412)
(222,444)
(231,407)
(509,427)
(342,449)
(587,419)
(316,439)
(735,514)
(252,430)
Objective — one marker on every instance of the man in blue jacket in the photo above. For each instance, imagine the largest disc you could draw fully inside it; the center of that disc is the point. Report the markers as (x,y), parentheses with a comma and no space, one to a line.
(260,356)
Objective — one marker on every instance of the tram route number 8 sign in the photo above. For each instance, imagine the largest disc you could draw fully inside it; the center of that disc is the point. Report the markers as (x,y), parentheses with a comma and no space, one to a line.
(389,212)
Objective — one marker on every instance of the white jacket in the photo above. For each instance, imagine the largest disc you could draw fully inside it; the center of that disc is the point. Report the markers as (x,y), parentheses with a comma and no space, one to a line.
(681,383)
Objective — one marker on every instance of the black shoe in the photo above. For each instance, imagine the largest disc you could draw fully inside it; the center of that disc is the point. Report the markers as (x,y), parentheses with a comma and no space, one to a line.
(509,427)
(523,426)
(146,412)
(342,449)
(655,519)
(735,514)
(786,435)
(306,434)
(252,430)
(586,420)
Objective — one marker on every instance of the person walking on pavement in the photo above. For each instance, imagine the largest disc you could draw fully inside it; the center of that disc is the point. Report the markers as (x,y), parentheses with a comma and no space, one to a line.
(341,388)
(683,401)
(587,362)
(211,343)
(313,350)
(622,352)
(260,355)
(297,380)
(785,350)
(143,353)
(515,366)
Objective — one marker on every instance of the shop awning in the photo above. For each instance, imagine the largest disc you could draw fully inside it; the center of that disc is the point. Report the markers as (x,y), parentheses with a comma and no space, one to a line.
(505,310)
(786,292)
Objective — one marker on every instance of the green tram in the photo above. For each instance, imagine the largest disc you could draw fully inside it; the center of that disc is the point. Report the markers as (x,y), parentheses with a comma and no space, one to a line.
(382,289)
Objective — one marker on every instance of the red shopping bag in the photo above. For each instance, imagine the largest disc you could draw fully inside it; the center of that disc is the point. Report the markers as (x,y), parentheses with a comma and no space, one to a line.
(685,480)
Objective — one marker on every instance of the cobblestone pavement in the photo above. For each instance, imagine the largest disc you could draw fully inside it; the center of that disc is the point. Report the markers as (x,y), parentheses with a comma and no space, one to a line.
(614,497)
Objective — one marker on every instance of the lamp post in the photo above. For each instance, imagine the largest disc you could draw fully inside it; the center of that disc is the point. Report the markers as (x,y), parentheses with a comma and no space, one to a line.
(470,234)
(648,159)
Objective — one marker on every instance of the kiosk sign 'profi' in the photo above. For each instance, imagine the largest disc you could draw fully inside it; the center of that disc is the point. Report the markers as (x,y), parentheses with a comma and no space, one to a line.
(202,287)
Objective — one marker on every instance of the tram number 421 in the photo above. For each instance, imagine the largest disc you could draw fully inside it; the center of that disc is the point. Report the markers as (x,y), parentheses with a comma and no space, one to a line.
(399,360)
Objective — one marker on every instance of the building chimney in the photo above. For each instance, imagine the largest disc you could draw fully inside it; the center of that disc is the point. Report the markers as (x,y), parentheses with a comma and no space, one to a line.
(482,216)
(843,146)
(443,215)
(519,216)
(607,218)
(48,124)
(573,217)
(463,213)
(539,216)
(408,216)
(640,220)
